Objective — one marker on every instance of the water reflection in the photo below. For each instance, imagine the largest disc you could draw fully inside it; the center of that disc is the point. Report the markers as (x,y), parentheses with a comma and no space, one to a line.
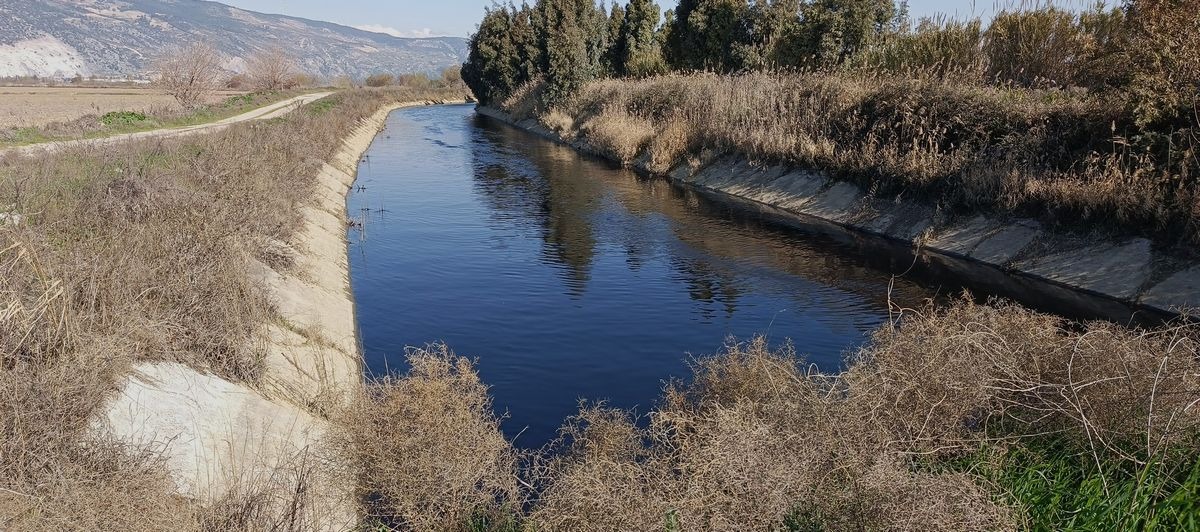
(567,278)
(576,198)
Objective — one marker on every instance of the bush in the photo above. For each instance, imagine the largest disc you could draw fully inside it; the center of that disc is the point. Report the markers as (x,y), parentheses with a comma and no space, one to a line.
(122,118)
(380,80)
(427,449)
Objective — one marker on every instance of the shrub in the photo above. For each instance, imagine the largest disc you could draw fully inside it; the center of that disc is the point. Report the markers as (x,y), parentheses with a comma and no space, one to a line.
(380,80)
(122,118)
(427,449)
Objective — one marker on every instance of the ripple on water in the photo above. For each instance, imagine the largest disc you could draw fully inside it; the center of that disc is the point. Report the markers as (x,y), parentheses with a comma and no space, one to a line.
(568,278)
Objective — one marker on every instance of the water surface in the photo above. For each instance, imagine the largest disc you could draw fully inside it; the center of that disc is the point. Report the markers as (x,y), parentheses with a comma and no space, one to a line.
(570,279)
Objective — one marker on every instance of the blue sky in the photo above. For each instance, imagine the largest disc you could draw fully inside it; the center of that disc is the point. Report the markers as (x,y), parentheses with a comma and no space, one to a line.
(425,18)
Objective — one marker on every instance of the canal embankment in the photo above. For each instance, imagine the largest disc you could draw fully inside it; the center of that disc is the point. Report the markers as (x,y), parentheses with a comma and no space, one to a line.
(177,328)
(312,366)
(1076,273)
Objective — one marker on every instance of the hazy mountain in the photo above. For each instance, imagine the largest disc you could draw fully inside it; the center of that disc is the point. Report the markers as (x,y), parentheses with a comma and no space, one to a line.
(120,38)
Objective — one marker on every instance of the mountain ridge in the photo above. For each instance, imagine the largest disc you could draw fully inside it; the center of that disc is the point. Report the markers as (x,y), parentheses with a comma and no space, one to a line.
(120,38)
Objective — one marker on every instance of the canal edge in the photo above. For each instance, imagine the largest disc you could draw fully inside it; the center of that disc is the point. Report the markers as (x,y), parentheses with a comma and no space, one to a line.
(1119,278)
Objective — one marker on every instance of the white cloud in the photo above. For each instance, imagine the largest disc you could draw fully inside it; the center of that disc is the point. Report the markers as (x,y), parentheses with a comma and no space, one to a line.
(415,34)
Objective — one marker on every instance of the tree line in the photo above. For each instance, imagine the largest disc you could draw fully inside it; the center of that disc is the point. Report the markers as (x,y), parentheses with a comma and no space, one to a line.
(567,43)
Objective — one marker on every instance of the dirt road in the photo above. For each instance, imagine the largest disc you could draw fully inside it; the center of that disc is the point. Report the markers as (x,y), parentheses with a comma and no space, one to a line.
(263,113)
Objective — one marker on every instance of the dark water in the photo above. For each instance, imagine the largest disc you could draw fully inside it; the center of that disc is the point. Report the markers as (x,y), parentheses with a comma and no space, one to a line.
(568,278)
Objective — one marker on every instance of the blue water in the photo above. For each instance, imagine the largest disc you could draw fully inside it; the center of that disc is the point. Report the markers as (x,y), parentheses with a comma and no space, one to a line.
(568,278)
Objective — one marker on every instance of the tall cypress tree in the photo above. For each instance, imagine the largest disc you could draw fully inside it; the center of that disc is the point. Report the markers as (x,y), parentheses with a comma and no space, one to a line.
(678,34)
(563,48)
(489,70)
(640,54)
(705,34)
(593,24)
(833,30)
(525,41)
(616,23)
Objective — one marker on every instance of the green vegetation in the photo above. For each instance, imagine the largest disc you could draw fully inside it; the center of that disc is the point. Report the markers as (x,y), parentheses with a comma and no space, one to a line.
(1080,118)
(122,118)
(1060,486)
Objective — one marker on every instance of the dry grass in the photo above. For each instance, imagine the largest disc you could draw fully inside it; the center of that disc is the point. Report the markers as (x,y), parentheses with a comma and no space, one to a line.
(40,106)
(756,442)
(618,135)
(140,252)
(427,448)
(753,442)
(1060,155)
(1084,117)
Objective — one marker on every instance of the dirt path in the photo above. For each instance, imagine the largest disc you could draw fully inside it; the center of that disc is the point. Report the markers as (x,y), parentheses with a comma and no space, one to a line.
(268,112)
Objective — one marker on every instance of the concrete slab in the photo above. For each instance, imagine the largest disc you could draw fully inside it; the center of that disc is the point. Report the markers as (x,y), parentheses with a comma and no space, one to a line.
(961,237)
(1114,270)
(1178,292)
(794,189)
(908,228)
(752,184)
(836,203)
(879,222)
(681,173)
(642,162)
(1004,245)
(218,437)
(714,172)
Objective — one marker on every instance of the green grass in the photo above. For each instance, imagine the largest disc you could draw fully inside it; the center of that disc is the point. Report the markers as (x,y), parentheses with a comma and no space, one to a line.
(123,118)
(1060,487)
(323,105)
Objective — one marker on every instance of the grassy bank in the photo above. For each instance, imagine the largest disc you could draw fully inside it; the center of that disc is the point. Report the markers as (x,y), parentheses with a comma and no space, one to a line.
(132,253)
(1083,118)
(159,117)
(1059,156)
(969,418)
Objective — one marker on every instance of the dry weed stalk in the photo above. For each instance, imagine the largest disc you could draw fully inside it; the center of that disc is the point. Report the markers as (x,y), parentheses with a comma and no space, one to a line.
(141,253)
(426,447)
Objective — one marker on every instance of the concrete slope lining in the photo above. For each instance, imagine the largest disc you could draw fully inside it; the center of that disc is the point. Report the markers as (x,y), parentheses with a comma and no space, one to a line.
(1109,278)
(219,437)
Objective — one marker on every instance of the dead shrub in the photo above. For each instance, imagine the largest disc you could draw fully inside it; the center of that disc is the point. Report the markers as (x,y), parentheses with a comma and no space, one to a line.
(618,135)
(426,448)
(525,102)
(669,145)
(140,252)
(559,122)
(751,442)
(1009,372)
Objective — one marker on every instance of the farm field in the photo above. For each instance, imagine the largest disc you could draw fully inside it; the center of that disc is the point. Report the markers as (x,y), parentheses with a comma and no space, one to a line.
(38,106)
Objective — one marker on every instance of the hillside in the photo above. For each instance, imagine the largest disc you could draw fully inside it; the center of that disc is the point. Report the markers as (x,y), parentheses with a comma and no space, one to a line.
(118,38)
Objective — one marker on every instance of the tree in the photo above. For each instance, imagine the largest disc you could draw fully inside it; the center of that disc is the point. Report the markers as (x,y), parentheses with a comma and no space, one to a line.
(770,32)
(831,31)
(706,33)
(524,38)
(272,69)
(489,71)
(452,76)
(190,73)
(640,54)
(616,24)
(565,46)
